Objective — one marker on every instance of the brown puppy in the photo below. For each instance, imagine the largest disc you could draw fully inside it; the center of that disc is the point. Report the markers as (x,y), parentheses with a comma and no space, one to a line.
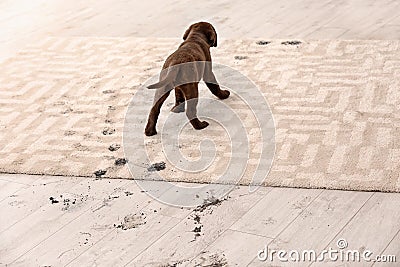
(196,48)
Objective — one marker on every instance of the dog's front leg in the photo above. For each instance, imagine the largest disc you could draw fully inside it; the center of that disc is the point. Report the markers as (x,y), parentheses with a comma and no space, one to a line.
(192,94)
(212,84)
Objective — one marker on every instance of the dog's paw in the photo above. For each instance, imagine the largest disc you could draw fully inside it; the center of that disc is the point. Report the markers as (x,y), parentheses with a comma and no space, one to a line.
(224,94)
(178,109)
(201,125)
(150,132)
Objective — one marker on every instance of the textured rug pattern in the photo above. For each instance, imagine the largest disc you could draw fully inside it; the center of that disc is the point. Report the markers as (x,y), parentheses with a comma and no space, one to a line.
(335,106)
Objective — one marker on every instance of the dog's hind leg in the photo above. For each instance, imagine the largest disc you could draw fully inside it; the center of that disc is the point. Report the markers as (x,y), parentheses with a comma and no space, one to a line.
(159,98)
(192,94)
(179,101)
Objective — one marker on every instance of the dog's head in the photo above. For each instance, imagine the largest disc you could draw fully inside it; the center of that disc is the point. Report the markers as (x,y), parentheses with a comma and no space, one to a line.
(204,28)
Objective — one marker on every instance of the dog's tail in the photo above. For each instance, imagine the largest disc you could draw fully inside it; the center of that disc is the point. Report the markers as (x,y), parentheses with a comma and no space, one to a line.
(169,79)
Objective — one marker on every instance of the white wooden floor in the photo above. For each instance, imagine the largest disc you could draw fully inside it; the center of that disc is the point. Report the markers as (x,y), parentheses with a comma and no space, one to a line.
(26,21)
(86,231)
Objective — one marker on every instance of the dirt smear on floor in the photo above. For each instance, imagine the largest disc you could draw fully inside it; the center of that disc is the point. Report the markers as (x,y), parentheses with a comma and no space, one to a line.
(132,221)
(208,202)
(204,209)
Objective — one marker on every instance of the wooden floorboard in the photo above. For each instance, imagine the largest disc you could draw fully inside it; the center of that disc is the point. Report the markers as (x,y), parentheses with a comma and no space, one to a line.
(231,232)
(372,228)
(275,211)
(35,232)
(25,22)
(181,244)
(9,188)
(318,224)
(393,249)
(159,219)
(21,204)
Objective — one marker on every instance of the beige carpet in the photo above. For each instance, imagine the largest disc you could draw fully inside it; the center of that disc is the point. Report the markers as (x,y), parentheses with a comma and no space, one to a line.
(335,106)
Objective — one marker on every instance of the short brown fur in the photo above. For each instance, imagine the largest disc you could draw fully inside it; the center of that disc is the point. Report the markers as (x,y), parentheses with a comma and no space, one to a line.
(198,39)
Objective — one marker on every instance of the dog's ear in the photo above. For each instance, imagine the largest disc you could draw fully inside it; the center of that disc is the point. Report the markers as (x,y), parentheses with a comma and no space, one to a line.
(212,37)
(187,32)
